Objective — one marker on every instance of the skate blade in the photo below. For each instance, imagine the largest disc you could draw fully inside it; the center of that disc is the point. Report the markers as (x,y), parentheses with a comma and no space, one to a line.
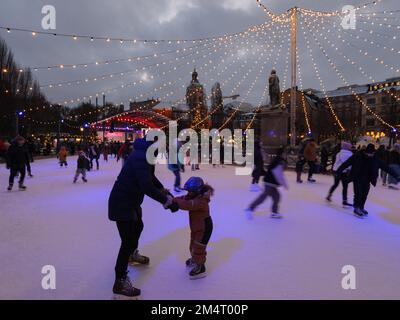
(276,217)
(124,298)
(199,276)
(359,217)
(138,264)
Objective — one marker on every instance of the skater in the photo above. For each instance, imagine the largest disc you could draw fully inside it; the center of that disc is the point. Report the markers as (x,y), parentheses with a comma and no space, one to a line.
(258,170)
(135,180)
(364,171)
(17,158)
(176,168)
(94,154)
(383,154)
(307,154)
(197,203)
(324,158)
(28,152)
(82,166)
(124,151)
(106,151)
(394,164)
(344,178)
(273,179)
(62,157)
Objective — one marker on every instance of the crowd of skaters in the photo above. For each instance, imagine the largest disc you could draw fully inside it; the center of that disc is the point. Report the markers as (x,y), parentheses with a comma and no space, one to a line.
(360,166)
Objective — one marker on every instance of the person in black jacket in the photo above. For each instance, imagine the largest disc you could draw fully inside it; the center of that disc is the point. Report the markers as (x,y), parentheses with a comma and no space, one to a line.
(258,167)
(82,165)
(136,180)
(273,178)
(383,154)
(17,158)
(365,166)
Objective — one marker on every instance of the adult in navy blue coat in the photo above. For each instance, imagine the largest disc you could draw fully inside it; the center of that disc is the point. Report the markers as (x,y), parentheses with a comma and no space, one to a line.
(136,180)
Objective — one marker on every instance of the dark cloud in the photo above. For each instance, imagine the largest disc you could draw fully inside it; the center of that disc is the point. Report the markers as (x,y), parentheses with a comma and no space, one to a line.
(161,19)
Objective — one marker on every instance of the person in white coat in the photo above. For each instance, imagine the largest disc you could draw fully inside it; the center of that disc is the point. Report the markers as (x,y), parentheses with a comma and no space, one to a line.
(274,177)
(343,155)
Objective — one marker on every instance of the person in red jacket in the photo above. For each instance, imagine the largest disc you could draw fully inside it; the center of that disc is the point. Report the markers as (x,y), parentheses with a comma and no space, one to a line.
(197,203)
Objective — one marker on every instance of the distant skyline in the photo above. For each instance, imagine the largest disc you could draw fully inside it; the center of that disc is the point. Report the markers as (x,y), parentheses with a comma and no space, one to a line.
(166,19)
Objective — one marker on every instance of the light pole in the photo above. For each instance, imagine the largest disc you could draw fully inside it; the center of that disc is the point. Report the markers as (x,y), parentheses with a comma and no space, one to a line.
(293,90)
(17,115)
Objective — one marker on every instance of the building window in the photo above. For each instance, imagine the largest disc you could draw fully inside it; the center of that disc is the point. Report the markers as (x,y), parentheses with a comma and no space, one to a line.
(371,101)
(384,100)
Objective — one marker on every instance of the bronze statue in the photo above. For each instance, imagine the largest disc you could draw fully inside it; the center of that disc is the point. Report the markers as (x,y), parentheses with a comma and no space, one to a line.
(274,89)
(194,76)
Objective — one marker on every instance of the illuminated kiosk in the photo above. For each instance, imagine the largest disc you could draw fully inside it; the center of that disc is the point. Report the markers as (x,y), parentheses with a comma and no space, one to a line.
(129,125)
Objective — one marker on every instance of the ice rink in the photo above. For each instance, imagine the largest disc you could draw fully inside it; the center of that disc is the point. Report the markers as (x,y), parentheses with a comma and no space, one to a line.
(301,256)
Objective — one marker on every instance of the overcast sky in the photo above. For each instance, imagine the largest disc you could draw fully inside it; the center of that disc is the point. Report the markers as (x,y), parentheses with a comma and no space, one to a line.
(176,19)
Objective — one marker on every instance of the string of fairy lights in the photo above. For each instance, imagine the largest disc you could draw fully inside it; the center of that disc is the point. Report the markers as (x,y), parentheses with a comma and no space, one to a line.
(226,81)
(268,57)
(123,40)
(126,85)
(131,71)
(303,97)
(354,93)
(205,74)
(211,54)
(317,28)
(264,94)
(322,84)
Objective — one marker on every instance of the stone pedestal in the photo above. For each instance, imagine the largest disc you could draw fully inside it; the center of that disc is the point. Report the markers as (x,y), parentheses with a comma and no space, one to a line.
(274,127)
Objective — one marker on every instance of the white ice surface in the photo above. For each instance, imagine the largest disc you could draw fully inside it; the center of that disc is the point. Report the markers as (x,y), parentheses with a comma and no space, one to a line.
(299,257)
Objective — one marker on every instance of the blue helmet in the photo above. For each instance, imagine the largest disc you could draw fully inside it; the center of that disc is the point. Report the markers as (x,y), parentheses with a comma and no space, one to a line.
(194,184)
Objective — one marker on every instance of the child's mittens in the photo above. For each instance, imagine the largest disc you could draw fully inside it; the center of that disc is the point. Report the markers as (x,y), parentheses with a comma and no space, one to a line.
(173,207)
(169,201)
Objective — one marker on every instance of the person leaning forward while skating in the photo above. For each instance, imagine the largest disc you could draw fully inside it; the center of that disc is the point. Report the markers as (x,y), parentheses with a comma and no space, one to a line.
(365,166)
(135,180)
(197,203)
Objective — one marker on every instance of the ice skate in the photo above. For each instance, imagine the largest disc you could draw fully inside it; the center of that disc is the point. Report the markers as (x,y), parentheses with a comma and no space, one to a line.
(198,272)
(137,258)
(255,187)
(365,212)
(276,216)
(346,204)
(311,180)
(10,186)
(21,187)
(190,263)
(329,198)
(84,180)
(393,187)
(123,289)
(358,213)
(249,214)
(177,189)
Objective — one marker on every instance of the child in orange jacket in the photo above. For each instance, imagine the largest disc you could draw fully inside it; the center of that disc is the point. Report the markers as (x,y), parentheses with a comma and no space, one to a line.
(197,203)
(62,156)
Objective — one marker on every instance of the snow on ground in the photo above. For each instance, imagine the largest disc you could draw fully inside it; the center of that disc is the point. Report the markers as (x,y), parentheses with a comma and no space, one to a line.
(299,257)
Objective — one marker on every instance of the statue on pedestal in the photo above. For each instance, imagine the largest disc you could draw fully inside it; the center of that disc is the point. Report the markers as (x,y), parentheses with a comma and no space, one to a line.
(274,89)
